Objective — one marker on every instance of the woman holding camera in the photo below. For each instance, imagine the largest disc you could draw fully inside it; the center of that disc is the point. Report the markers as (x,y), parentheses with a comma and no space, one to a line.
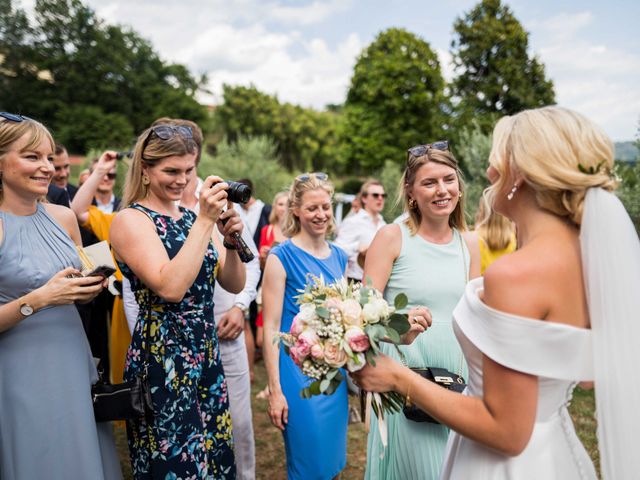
(47,426)
(167,253)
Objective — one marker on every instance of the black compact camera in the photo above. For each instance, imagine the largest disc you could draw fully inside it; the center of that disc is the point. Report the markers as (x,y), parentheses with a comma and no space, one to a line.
(121,155)
(238,192)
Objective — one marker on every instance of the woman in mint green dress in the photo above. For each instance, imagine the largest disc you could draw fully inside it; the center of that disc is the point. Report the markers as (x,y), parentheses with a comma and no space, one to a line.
(428,258)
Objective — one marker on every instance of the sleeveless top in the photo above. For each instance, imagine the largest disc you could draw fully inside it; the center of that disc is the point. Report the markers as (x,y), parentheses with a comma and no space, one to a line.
(47,426)
(432,275)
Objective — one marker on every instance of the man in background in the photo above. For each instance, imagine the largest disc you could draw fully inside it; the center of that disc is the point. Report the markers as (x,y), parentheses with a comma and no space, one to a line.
(61,192)
(356,231)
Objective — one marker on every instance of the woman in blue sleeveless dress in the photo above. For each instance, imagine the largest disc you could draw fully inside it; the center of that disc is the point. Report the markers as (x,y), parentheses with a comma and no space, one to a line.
(427,258)
(167,254)
(314,430)
(47,426)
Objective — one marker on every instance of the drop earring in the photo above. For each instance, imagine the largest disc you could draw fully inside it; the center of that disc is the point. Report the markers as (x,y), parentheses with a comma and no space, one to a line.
(412,204)
(512,192)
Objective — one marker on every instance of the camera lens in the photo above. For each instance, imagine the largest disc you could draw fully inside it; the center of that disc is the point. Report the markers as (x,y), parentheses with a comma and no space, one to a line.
(238,192)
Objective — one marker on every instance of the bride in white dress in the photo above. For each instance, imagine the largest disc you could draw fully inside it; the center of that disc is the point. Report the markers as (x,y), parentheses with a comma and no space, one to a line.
(562,309)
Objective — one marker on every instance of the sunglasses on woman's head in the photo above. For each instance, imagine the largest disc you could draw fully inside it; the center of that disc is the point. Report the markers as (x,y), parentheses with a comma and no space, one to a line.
(165,132)
(305,177)
(420,150)
(12,117)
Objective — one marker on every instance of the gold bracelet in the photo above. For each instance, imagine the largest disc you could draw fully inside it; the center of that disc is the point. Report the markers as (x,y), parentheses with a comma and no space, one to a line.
(407,399)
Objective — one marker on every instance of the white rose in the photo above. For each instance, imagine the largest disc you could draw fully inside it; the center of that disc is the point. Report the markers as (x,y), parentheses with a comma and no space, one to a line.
(370,313)
(357,363)
(382,308)
(307,312)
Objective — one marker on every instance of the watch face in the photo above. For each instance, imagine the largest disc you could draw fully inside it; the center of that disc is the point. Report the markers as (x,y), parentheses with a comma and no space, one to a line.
(26,309)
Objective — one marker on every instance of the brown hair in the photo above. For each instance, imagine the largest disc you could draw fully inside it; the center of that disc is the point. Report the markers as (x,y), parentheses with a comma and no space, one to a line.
(154,152)
(298,189)
(11,132)
(196,131)
(444,157)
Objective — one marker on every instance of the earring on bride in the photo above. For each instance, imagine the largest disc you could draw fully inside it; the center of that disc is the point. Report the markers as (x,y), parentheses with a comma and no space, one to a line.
(512,192)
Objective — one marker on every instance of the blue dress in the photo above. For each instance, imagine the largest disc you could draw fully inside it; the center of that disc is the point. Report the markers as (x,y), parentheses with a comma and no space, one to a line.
(191,433)
(315,437)
(47,427)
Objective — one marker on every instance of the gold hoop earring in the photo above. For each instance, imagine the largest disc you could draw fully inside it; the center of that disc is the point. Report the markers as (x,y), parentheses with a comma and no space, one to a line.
(413,204)
(145,180)
(512,192)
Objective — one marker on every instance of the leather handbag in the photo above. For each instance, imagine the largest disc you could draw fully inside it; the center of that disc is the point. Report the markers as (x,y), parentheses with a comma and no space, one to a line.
(439,376)
(124,401)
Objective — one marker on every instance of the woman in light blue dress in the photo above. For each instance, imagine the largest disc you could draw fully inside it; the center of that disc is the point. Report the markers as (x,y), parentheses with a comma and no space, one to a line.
(47,426)
(315,429)
(427,258)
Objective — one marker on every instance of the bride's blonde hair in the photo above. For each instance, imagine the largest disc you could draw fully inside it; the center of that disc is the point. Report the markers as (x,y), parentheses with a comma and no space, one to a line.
(560,154)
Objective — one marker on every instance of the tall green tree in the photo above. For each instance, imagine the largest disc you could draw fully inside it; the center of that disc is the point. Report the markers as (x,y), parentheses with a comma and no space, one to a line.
(396,99)
(86,79)
(305,138)
(495,73)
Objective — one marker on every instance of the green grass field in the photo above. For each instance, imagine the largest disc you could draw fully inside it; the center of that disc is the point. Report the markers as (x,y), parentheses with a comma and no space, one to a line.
(270,460)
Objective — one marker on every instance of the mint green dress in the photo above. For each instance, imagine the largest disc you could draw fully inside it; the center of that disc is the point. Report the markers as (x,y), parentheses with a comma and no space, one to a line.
(432,275)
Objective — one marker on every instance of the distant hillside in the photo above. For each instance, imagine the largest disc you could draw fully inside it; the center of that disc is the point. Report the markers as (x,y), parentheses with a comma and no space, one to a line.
(627,151)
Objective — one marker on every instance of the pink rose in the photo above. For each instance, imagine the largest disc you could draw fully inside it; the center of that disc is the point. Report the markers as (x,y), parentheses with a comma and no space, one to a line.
(357,339)
(296,356)
(317,352)
(296,326)
(351,312)
(306,340)
(334,356)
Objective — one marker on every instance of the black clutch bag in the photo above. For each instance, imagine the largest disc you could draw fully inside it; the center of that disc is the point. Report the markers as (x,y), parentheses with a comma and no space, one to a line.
(124,401)
(440,376)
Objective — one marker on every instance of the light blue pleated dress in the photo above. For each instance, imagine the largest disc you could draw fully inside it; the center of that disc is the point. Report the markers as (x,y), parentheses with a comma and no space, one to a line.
(315,437)
(431,275)
(47,428)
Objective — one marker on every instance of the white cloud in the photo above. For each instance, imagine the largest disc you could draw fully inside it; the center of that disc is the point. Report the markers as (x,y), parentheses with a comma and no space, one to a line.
(317,77)
(315,12)
(593,78)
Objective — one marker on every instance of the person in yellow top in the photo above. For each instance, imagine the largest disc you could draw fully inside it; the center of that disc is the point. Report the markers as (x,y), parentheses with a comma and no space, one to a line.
(99,222)
(496,235)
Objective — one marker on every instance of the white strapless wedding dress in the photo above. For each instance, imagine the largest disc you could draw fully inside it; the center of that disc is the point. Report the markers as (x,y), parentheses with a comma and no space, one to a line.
(560,355)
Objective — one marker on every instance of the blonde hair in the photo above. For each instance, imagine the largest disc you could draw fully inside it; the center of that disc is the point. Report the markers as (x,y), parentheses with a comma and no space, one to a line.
(11,132)
(298,189)
(496,230)
(559,152)
(154,152)
(272,215)
(444,157)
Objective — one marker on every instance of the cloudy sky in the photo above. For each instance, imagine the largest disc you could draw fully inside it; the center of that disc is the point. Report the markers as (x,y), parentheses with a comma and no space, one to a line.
(304,50)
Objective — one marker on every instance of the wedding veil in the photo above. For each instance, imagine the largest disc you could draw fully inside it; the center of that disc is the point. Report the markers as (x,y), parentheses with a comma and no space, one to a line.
(611,263)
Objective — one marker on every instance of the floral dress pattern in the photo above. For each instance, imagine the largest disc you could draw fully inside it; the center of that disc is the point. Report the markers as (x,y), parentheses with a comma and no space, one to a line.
(191,435)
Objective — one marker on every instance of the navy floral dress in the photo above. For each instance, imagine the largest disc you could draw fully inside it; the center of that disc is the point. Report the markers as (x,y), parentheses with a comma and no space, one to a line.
(191,435)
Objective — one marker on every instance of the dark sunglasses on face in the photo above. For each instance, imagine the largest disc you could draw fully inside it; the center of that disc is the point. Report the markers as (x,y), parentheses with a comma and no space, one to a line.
(377,195)
(305,177)
(420,150)
(12,117)
(165,132)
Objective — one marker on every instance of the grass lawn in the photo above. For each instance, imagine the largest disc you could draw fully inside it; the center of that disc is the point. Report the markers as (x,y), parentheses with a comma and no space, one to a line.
(270,460)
